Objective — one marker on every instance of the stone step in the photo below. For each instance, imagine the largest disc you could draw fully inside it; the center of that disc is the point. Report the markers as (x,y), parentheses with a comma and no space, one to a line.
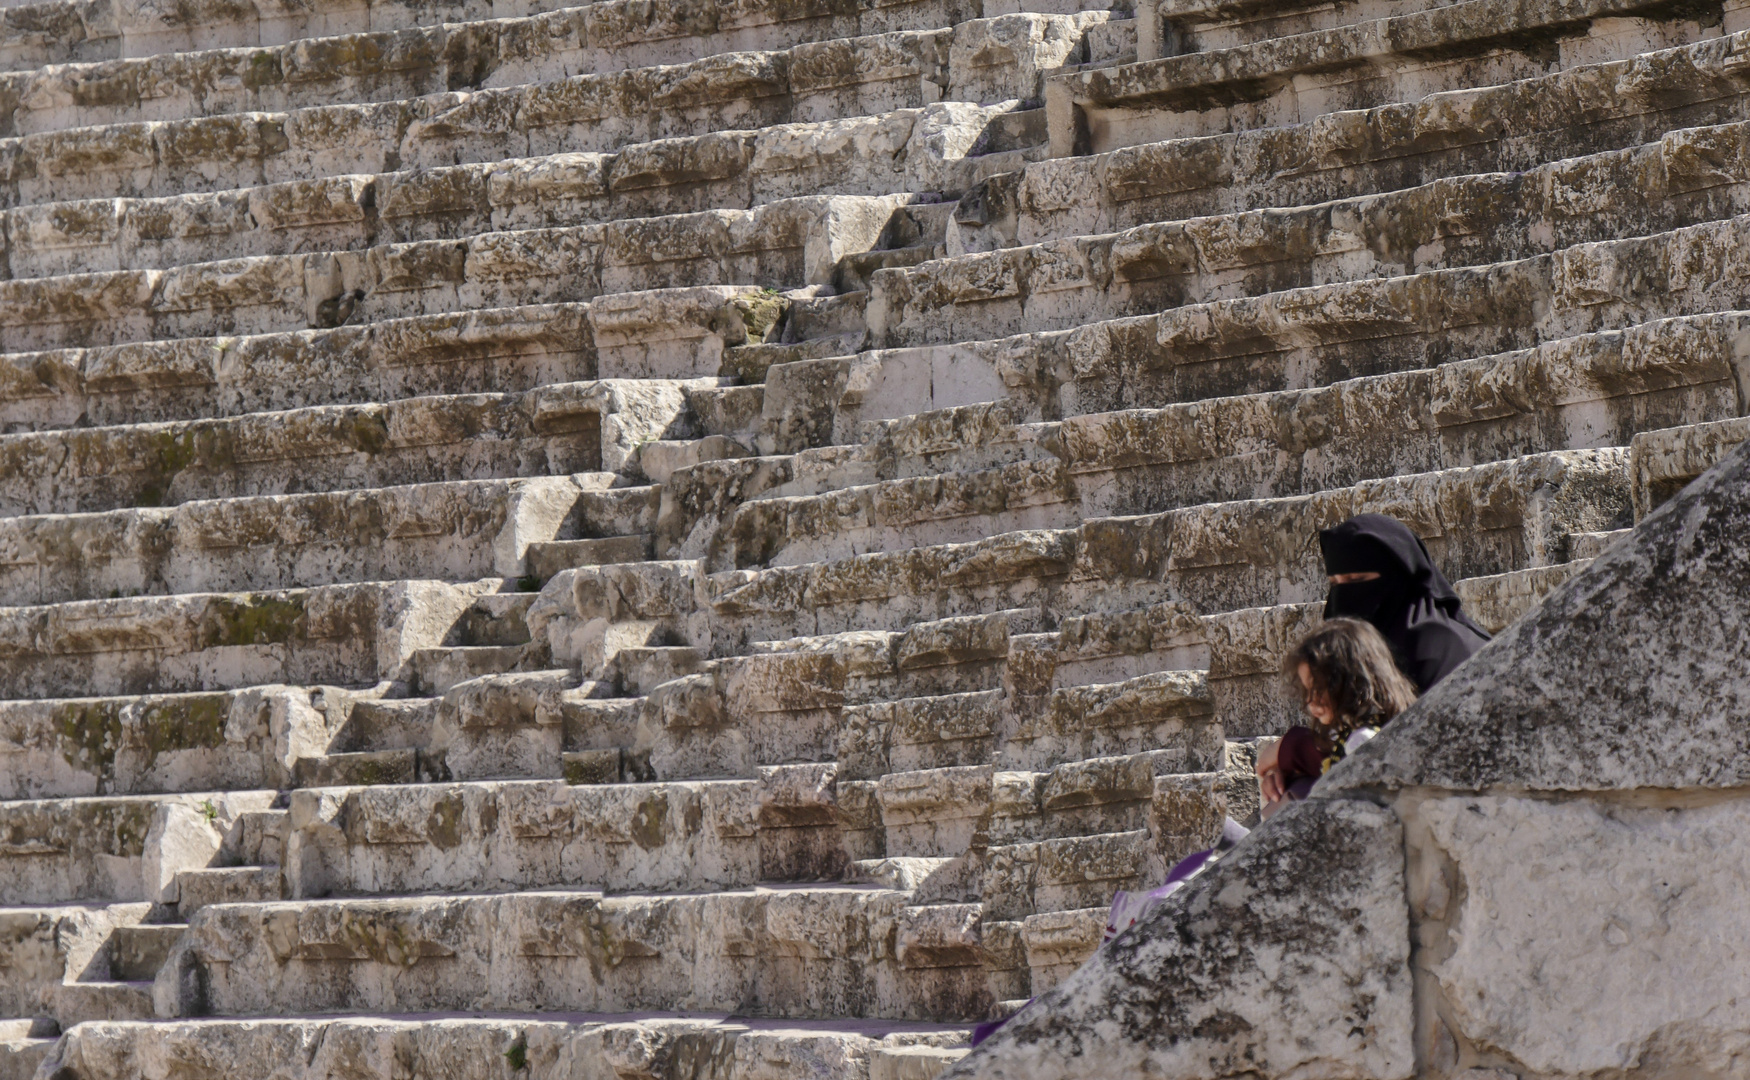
(794,822)
(1460,221)
(385,724)
(1278,341)
(43,947)
(976,60)
(356,635)
(1662,463)
(1185,26)
(21,1057)
(568,428)
(435,671)
(451,44)
(478,1047)
(723,170)
(82,1002)
(227,885)
(114,849)
(118,153)
(546,558)
(149,744)
(520,725)
(1059,942)
(791,242)
(660,334)
(1357,65)
(461,531)
(798,951)
(1570,394)
(398,766)
(1571,113)
(137,952)
(40,1027)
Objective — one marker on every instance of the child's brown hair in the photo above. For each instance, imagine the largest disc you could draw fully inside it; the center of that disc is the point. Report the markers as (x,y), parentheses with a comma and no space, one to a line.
(1353,667)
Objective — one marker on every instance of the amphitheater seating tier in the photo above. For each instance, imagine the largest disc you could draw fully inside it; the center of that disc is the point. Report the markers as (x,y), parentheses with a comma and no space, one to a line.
(698,539)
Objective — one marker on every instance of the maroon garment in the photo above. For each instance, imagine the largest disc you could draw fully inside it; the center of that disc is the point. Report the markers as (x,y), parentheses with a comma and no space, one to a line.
(1301,757)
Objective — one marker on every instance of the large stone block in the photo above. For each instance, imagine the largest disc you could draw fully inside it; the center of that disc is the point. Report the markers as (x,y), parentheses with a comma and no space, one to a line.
(1245,971)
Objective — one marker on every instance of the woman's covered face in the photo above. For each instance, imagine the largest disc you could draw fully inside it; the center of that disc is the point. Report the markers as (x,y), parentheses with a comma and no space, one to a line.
(1318,704)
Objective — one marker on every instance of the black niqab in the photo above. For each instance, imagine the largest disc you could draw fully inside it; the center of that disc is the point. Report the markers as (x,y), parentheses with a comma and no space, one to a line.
(1411,603)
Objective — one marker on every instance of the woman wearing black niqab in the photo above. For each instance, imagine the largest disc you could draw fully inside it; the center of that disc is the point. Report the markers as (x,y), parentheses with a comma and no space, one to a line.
(1410,602)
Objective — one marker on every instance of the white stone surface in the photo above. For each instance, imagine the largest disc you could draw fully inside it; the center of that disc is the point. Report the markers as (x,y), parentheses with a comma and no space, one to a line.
(1594,937)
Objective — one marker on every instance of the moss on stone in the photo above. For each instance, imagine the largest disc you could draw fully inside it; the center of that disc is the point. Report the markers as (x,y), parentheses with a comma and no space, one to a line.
(91,733)
(252,620)
(184,724)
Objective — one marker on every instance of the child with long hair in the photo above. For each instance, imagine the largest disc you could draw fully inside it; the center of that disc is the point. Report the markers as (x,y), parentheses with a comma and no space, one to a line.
(1347,682)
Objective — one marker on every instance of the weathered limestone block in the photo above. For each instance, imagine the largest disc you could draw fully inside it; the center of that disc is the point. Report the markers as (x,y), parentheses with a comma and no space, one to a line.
(795,241)
(1059,942)
(1168,710)
(523,835)
(1061,282)
(789,952)
(506,725)
(1567,114)
(1662,463)
(1578,903)
(234,740)
(60,851)
(480,1047)
(338,634)
(1357,65)
(1243,970)
(934,813)
(42,948)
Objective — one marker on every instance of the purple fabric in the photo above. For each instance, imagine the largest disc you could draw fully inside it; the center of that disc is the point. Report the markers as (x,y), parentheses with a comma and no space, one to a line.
(1183,869)
(990,1027)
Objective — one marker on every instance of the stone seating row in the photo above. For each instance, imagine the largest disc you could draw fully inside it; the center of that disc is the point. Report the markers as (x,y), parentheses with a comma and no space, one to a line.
(663,1046)
(599,110)
(1591,107)
(864,700)
(790,242)
(356,635)
(561,44)
(1355,65)
(920,150)
(1592,390)
(658,334)
(1477,520)
(1595,389)
(1688,177)
(1286,340)
(1505,127)
(58,33)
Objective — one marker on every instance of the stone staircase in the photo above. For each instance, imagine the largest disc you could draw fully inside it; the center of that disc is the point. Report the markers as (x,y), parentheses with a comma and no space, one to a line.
(670,539)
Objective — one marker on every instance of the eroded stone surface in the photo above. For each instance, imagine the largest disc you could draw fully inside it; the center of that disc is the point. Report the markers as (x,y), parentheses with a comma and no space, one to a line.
(1568,913)
(1291,957)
